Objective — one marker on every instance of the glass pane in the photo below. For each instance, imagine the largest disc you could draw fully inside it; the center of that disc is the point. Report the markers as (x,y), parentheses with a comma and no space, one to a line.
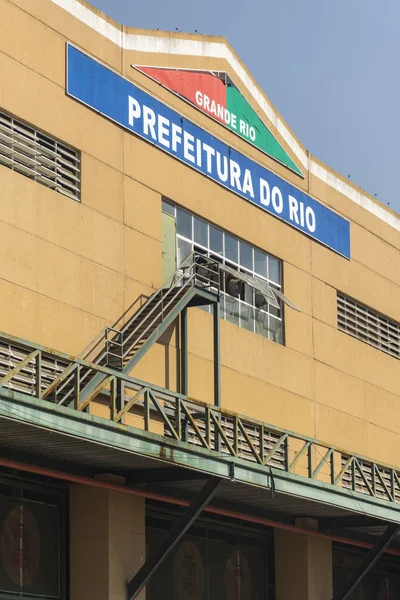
(231,248)
(184,223)
(251,574)
(261,322)
(274,269)
(260,300)
(161,585)
(168,208)
(216,236)
(189,570)
(222,306)
(275,330)
(260,263)
(246,255)
(232,310)
(206,308)
(247,317)
(184,249)
(248,294)
(272,310)
(200,232)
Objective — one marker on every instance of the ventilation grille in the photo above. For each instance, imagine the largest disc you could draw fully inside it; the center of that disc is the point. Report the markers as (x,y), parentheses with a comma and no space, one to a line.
(25,380)
(368,326)
(39,157)
(368,478)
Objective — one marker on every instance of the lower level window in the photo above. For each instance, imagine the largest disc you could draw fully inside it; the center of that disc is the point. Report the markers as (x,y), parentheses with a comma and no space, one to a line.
(184,233)
(32,542)
(212,562)
(381,583)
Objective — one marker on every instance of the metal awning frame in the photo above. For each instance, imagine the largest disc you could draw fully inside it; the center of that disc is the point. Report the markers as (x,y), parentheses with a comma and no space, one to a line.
(270,293)
(62,421)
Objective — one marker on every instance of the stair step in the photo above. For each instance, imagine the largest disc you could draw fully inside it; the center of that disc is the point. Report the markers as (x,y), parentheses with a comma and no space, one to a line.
(142,325)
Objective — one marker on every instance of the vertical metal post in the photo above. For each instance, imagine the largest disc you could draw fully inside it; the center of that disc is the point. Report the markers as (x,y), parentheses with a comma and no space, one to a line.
(146,410)
(38,379)
(77,389)
(217,353)
(113,398)
(184,353)
(117,397)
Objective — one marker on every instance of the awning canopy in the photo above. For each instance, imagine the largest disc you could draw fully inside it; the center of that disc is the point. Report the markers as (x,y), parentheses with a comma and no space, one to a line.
(271,294)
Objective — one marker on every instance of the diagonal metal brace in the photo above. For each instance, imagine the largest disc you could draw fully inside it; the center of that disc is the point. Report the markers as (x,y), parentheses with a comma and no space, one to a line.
(7,378)
(368,562)
(179,528)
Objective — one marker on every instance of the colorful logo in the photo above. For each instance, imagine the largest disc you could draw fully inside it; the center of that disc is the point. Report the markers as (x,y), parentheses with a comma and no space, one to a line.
(215,94)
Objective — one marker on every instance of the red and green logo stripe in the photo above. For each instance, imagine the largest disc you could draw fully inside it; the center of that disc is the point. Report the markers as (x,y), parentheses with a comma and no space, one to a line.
(217,96)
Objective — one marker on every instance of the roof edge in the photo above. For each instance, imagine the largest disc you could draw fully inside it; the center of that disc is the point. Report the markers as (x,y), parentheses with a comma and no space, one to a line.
(179,43)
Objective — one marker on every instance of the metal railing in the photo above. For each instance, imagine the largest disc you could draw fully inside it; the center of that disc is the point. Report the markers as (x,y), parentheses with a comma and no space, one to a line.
(113,346)
(96,345)
(193,270)
(29,368)
(197,270)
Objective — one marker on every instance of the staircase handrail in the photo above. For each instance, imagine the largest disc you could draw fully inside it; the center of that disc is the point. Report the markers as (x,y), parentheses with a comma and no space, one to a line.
(141,310)
(123,341)
(179,275)
(99,347)
(96,341)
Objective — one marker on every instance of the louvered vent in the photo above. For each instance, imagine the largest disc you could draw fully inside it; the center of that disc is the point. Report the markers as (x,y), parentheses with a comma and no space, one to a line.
(39,157)
(368,326)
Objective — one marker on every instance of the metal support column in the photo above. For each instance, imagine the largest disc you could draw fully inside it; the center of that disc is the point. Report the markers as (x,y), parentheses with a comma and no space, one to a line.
(184,353)
(368,562)
(179,528)
(217,353)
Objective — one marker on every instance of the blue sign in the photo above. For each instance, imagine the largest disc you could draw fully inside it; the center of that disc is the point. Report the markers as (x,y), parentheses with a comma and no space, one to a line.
(120,100)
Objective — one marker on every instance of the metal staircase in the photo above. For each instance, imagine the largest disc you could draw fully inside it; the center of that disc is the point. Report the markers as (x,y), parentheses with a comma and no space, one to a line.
(195,282)
(198,281)
(127,346)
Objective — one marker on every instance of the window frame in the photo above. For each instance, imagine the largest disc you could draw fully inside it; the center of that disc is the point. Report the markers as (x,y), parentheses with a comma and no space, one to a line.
(276,334)
(46,493)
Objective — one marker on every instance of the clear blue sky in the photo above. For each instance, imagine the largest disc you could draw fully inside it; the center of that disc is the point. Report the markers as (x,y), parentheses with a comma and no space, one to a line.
(330,67)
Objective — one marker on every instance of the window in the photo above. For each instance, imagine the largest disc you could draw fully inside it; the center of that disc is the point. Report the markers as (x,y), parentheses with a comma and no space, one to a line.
(368,326)
(216,559)
(39,157)
(249,309)
(33,553)
(382,582)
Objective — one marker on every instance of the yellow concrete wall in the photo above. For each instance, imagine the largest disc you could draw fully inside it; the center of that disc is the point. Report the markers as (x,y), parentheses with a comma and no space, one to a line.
(310,561)
(107,542)
(67,269)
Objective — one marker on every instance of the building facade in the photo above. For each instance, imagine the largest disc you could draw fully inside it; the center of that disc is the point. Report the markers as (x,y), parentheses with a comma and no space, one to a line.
(200,330)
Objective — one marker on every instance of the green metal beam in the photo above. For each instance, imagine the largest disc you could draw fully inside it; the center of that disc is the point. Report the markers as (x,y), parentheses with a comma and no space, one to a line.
(192,292)
(367,563)
(184,353)
(169,319)
(217,353)
(179,528)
